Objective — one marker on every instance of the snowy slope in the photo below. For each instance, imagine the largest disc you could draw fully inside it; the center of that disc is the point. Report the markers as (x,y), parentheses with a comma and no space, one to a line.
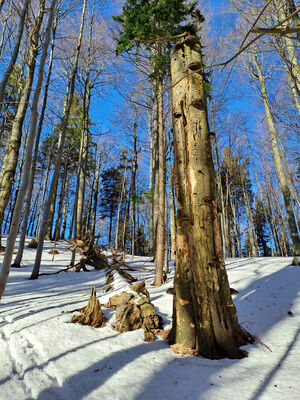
(42,356)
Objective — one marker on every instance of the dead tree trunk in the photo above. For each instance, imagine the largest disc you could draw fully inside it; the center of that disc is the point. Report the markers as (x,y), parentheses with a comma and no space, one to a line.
(204,317)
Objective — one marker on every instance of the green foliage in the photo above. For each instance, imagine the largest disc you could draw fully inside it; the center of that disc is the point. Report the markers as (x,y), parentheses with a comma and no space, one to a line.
(111,181)
(146,20)
(260,222)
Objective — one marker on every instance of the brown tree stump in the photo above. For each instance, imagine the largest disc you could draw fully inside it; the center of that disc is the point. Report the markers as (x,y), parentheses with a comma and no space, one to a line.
(32,244)
(140,287)
(91,314)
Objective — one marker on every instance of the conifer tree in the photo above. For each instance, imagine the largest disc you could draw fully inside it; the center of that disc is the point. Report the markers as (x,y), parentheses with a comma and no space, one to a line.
(151,25)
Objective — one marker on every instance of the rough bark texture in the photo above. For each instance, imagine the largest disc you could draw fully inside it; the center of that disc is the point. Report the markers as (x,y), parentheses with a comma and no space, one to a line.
(204,317)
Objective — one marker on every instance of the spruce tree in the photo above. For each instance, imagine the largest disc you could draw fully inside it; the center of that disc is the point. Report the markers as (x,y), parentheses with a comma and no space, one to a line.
(153,25)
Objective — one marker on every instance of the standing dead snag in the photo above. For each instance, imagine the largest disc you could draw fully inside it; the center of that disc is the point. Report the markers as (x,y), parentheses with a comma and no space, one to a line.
(204,317)
(91,314)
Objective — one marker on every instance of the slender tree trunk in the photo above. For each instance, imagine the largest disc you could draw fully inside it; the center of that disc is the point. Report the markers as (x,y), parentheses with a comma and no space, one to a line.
(51,213)
(82,165)
(39,220)
(12,150)
(155,165)
(160,231)
(285,190)
(15,52)
(66,113)
(28,158)
(96,193)
(20,170)
(262,199)
(134,166)
(65,210)
(19,256)
(204,317)
(122,192)
(290,47)
(172,213)
(151,182)
(61,201)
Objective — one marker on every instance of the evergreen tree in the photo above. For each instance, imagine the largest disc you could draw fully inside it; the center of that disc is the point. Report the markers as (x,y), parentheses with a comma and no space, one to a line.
(111,181)
(260,224)
(152,24)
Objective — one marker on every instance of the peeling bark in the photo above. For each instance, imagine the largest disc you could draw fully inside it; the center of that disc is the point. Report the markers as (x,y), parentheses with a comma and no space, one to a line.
(204,317)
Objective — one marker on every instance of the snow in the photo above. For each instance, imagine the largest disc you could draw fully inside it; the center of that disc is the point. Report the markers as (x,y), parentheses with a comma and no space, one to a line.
(44,357)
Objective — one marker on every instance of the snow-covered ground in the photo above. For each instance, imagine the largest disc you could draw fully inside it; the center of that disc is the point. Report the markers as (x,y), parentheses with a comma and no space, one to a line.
(43,356)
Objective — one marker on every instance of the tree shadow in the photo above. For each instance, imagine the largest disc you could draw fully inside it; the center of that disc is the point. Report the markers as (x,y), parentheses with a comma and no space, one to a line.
(267,300)
(267,380)
(95,376)
(59,356)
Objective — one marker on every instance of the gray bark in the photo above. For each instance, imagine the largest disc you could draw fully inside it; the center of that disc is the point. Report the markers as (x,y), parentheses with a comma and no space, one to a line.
(15,52)
(12,150)
(18,259)
(66,113)
(284,188)
(28,159)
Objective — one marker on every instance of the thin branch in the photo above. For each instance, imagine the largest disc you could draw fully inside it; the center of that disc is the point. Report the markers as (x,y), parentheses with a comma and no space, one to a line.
(274,31)
(241,50)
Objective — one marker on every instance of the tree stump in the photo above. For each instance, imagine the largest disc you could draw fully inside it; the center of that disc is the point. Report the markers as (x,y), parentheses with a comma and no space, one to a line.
(132,314)
(32,244)
(140,287)
(91,314)
(53,251)
(295,262)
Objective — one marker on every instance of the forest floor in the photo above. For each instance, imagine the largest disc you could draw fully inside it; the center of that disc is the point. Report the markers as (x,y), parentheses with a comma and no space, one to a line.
(43,356)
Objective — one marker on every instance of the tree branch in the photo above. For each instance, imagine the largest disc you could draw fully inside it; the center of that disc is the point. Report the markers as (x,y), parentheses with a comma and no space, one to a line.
(276,31)
(241,50)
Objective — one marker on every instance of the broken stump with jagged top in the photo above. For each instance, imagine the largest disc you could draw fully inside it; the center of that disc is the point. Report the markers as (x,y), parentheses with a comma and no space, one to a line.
(91,314)
(33,244)
(53,251)
(140,287)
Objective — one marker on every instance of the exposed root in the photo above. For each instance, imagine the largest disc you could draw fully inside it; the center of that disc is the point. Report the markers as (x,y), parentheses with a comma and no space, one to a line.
(180,349)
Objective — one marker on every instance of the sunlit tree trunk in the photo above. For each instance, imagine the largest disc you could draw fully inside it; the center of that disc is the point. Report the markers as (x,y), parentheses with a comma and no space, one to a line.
(95,194)
(11,239)
(16,48)
(13,145)
(134,166)
(262,199)
(18,259)
(160,230)
(64,125)
(284,188)
(204,317)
